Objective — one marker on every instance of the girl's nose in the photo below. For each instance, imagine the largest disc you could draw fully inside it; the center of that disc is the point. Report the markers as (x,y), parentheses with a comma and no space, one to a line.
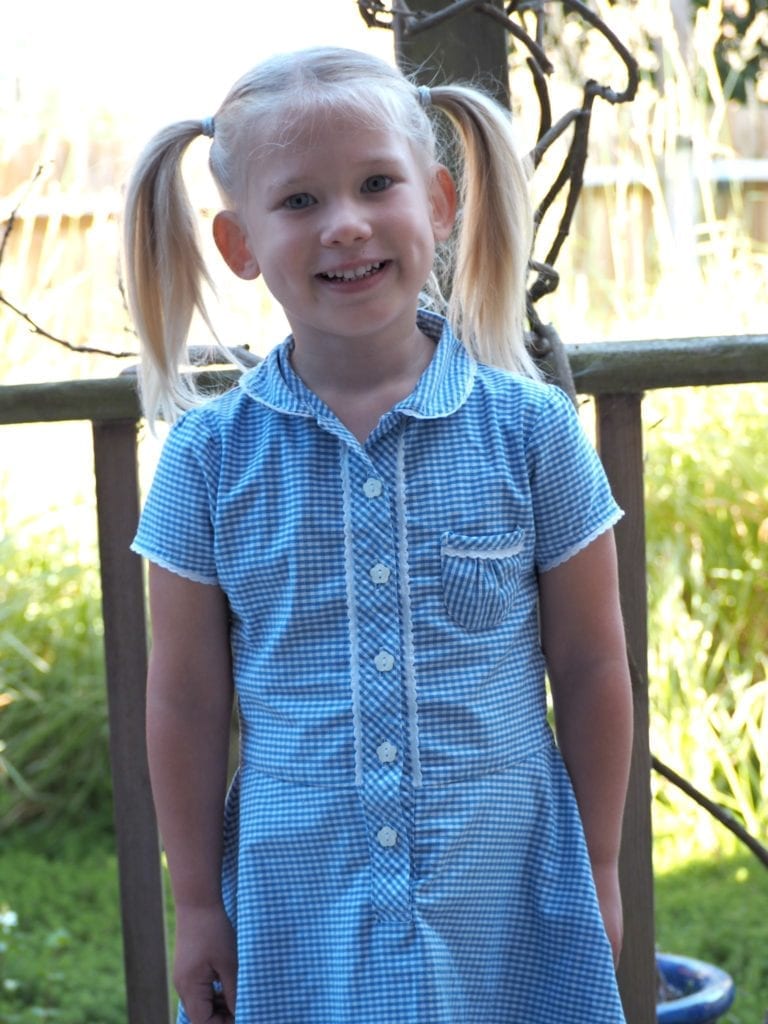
(346,223)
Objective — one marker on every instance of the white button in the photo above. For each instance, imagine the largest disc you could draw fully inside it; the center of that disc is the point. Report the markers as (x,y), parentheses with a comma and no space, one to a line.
(384,661)
(386,836)
(380,573)
(372,488)
(386,752)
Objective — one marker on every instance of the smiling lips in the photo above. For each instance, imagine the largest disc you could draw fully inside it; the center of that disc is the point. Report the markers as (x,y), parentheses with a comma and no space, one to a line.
(354,274)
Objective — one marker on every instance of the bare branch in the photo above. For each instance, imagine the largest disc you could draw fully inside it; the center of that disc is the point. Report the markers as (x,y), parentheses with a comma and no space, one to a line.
(35,328)
(14,212)
(420,21)
(545,108)
(629,61)
(371,11)
(717,812)
(551,134)
(519,33)
(572,174)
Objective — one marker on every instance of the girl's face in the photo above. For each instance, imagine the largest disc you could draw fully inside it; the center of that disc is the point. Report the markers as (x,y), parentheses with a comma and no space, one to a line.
(342,223)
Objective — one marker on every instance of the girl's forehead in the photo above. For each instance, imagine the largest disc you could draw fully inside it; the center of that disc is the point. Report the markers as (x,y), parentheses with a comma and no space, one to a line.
(310,127)
(321,136)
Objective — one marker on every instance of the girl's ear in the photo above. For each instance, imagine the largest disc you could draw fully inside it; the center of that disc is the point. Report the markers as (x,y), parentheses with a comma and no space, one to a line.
(232,243)
(442,195)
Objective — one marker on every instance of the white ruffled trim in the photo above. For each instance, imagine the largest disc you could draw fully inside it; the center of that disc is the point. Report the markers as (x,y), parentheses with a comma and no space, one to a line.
(409,656)
(619,514)
(186,574)
(352,618)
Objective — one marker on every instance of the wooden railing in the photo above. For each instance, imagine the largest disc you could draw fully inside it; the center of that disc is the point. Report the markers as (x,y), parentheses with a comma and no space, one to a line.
(616,374)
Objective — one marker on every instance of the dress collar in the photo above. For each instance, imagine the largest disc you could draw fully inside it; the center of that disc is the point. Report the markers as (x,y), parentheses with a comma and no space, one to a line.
(443,387)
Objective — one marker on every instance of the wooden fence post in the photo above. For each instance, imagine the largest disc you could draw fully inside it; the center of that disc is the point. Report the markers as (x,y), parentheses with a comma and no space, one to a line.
(125,642)
(620,441)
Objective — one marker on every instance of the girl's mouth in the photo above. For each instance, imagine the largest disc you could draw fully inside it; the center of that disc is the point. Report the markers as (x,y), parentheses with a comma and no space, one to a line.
(356,274)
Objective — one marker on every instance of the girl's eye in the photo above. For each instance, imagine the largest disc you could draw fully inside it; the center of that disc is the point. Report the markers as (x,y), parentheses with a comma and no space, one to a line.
(300,201)
(377,183)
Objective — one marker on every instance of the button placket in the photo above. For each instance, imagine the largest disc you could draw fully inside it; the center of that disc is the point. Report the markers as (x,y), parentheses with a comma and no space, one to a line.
(377,615)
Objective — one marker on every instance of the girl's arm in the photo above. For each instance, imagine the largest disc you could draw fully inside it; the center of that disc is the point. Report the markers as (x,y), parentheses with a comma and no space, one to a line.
(583,640)
(189,707)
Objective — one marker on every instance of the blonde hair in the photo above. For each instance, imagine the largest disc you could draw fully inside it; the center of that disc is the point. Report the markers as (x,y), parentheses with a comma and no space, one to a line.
(164,266)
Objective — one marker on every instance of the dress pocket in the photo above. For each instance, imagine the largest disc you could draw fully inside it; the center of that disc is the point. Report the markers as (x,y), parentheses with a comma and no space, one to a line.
(480,577)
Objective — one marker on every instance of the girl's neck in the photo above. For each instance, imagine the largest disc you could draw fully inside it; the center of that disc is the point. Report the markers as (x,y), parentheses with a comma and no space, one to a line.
(361,379)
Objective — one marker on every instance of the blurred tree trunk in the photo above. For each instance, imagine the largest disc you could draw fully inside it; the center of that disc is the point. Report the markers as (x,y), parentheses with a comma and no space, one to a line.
(466,47)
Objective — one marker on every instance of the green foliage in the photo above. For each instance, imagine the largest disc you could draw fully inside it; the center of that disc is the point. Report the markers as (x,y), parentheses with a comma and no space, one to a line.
(741,49)
(706,479)
(54,754)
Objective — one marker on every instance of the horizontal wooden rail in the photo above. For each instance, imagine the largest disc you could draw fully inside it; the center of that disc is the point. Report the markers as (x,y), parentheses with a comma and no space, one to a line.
(599,368)
(621,367)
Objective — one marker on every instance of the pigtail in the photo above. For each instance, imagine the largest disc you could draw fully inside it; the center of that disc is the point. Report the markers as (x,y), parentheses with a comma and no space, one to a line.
(164,269)
(495,231)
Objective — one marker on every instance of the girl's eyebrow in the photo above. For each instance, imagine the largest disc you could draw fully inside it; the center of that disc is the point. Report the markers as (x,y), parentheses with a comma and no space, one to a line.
(367,161)
(281,184)
(278,188)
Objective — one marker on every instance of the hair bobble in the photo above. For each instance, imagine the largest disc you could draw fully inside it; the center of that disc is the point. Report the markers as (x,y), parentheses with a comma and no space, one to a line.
(207,127)
(425,96)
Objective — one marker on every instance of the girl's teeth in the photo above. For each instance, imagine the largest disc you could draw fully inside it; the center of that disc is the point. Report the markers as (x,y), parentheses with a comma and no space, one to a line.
(352,275)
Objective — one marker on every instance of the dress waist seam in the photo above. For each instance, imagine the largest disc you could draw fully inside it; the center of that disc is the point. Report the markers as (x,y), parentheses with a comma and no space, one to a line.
(430,778)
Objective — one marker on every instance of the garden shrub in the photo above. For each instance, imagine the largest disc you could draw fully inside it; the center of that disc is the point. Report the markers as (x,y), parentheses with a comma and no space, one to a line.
(54,753)
(706,478)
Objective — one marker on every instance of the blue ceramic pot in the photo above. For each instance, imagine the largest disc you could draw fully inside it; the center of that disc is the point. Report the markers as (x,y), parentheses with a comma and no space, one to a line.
(701,992)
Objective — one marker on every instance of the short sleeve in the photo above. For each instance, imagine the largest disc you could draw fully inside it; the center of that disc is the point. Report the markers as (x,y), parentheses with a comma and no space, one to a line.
(176,524)
(572,499)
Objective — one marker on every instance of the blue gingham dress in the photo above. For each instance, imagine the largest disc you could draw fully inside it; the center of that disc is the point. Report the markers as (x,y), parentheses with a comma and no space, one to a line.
(402,843)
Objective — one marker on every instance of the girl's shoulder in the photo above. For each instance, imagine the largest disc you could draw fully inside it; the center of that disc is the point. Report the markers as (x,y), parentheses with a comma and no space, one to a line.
(208,433)
(523,398)
(213,414)
(231,410)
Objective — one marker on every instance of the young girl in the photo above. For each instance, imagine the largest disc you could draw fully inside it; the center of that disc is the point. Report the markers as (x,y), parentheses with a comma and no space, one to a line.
(378,541)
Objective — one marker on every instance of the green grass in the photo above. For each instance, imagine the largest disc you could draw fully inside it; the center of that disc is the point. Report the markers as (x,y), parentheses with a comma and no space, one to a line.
(62,961)
(717,910)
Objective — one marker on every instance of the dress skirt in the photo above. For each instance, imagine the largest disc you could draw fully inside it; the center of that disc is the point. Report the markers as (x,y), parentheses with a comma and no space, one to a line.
(496,923)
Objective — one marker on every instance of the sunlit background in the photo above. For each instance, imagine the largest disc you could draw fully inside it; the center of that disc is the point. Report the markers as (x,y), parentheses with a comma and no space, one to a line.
(81,91)
(670,240)
(82,88)
(672,229)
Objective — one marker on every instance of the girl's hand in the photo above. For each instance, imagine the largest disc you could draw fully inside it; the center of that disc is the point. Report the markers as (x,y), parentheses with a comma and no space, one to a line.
(606,878)
(205,964)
